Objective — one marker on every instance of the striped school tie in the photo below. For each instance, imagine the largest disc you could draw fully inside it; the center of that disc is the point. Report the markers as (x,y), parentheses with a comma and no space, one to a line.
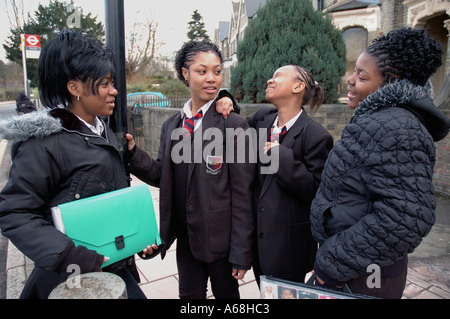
(189,123)
(276,136)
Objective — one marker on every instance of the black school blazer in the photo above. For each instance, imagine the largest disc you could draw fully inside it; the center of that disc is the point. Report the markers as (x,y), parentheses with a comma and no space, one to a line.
(282,200)
(222,224)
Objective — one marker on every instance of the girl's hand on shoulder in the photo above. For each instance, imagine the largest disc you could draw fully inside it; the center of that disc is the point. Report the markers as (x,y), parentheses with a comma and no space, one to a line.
(224,106)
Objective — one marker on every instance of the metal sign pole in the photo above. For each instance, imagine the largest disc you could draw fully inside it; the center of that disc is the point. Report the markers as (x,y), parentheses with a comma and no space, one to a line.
(115,40)
(24,63)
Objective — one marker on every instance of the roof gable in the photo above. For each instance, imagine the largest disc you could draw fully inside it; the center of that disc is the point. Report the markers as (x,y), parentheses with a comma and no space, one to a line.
(252,6)
(345,5)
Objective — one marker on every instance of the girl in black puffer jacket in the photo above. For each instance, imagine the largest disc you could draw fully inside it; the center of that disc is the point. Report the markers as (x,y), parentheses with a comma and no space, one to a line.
(376,200)
(62,155)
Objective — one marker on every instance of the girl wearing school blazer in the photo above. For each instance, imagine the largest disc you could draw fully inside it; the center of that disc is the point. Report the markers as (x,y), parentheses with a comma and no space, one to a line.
(204,201)
(284,190)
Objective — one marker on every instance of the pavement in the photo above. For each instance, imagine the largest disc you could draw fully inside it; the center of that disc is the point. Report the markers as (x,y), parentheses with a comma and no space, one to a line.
(159,278)
(428,275)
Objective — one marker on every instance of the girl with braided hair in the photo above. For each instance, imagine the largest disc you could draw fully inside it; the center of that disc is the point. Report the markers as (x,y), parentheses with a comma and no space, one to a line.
(376,201)
(282,197)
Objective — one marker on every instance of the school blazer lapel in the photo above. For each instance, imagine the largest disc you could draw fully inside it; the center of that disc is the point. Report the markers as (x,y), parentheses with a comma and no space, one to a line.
(288,141)
(174,124)
(296,130)
(268,121)
(210,120)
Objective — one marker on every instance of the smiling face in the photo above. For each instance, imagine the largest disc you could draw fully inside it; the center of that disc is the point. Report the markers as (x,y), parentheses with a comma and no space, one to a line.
(204,76)
(89,106)
(366,79)
(283,85)
(103,103)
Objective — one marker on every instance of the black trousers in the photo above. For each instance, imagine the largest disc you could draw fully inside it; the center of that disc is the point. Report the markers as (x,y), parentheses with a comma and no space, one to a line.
(257,271)
(193,275)
(390,288)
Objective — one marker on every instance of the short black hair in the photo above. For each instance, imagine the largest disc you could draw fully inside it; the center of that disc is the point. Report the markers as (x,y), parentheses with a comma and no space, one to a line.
(72,55)
(407,53)
(185,56)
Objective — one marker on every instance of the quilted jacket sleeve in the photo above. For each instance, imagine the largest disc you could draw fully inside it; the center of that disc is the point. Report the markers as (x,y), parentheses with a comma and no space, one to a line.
(397,176)
(22,217)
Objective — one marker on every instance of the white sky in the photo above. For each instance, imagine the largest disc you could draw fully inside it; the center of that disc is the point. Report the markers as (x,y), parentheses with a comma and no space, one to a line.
(172,16)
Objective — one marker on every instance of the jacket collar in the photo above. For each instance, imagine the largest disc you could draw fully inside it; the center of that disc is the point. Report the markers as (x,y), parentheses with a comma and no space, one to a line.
(399,92)
(37,124)
(69,121)
(415,98)
(40,124)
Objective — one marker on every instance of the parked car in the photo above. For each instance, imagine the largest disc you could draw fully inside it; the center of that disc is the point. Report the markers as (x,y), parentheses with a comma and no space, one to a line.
(147,99)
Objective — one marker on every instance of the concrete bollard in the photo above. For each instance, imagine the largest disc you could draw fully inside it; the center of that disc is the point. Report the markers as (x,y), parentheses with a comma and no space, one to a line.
(98,285)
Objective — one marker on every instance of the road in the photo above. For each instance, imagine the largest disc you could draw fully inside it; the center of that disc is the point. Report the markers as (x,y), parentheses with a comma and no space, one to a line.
(7,109)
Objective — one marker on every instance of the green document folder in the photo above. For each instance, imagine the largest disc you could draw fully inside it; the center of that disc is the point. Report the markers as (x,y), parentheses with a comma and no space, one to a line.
(117,225)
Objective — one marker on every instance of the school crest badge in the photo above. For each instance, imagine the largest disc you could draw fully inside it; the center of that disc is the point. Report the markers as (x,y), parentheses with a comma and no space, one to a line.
(214,164)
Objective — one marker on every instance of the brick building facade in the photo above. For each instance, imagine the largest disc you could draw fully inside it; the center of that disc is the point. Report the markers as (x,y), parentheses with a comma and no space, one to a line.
(360,21)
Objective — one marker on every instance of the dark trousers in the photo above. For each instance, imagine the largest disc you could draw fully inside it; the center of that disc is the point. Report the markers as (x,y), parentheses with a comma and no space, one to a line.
(390,288)
(257,271)
(133,289)
(193,275)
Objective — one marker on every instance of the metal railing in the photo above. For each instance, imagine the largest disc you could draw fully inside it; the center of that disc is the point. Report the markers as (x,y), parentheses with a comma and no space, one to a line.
(140,101)
(136,103)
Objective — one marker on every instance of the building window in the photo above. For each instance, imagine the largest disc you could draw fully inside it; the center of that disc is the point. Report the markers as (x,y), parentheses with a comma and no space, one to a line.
(320,5)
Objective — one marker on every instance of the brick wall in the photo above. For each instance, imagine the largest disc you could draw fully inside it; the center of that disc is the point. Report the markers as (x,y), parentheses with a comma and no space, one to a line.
(391,15)
(333,117)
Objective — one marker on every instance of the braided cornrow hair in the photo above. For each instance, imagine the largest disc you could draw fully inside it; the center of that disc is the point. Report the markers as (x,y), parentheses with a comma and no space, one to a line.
(407,53)
(314,94)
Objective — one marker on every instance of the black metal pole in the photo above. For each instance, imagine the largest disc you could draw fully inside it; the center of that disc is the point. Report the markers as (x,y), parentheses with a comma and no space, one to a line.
(115,40)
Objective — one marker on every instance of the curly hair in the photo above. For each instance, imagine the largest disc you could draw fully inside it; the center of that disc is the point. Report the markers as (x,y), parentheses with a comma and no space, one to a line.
(407,53)
(186,55)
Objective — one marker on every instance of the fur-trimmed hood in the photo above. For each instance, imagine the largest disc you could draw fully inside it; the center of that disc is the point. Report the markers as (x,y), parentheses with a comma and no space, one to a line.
(415,98)
(38,124)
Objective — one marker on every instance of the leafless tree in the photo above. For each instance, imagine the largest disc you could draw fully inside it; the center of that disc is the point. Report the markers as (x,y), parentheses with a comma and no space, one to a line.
(142,47)
(15,10)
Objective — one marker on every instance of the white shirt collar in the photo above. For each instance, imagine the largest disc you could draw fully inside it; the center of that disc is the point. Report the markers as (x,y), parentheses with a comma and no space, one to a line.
(288,125)
(97,128)
(187,109)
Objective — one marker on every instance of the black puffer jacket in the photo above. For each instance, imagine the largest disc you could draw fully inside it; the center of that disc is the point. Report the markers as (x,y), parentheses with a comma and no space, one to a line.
(376,201)
(56,159)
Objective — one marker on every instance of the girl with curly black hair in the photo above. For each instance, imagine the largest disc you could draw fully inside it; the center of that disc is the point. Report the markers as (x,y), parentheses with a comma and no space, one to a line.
(376,200)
